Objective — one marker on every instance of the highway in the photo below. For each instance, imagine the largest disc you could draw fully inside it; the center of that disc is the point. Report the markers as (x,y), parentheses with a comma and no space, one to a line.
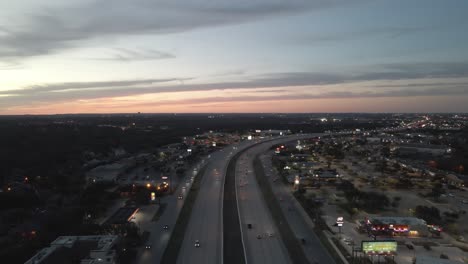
(159,237)
(254,211)
(298,220)
(262,241)
(206,221)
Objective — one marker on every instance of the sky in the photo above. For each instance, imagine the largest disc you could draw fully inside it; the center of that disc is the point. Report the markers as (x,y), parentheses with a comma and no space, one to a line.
(224,56)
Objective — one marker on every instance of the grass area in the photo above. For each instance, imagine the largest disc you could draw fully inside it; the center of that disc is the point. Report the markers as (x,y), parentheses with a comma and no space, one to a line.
(293,245)
(161,209)
(340,246)
(175,242)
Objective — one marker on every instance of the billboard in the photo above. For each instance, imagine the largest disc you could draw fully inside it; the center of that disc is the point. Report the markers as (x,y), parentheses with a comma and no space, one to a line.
(376,247)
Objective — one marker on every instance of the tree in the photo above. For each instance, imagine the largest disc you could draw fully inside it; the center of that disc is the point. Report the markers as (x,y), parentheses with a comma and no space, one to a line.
(430,214)
(437,191)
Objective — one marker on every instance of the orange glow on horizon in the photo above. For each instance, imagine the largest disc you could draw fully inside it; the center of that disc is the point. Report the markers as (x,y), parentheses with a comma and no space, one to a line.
(113,105)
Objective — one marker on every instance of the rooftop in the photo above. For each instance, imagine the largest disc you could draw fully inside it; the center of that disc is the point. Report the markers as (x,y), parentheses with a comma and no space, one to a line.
(399,220)
(122,216)
(77,249)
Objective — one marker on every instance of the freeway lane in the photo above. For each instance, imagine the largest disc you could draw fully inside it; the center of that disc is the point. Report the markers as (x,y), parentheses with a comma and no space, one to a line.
(300,223)
(159,237)
(206,220)
(254,211)
(262,243)
(234,246)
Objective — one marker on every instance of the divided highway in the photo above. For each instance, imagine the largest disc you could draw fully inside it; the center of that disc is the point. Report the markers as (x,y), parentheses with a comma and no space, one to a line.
(206,220)
(229,199)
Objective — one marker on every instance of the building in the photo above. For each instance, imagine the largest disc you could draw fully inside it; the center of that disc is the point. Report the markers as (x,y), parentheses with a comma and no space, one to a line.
(326,175)
(435,150)
(109,173)
(122,216)
(456,180)
(396,225)
(78,249)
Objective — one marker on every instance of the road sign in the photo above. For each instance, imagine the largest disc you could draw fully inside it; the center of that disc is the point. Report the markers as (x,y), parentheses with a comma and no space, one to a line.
(340,221)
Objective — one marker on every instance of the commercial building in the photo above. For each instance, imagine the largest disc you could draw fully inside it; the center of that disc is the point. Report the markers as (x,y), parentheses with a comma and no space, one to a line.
(110,173)
(78,249)
(123,216)
(395,225)
(435,150)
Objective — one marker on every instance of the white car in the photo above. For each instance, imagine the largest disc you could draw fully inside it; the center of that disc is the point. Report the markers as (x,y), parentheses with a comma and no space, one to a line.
(197,243)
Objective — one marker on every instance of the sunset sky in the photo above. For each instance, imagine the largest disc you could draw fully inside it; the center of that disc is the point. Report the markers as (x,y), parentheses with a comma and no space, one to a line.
(121,56)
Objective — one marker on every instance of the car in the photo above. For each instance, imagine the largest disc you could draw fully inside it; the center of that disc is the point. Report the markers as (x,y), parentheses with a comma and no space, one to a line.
(166,227)
(249,226)
(259,236)
(451,195)
(197,243)
(147,246)
(180,197)
(270,234)
(464,201)
(409,246)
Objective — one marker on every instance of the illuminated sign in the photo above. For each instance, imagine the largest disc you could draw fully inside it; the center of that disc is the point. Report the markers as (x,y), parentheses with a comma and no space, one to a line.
(339,221)
(382,247)
(164,177)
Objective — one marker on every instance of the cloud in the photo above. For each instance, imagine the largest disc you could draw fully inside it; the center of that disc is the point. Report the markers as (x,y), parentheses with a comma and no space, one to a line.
(82,86)
(12,65)
(126,55)
(386,32)
(307,96)
(50,93)
(54,29)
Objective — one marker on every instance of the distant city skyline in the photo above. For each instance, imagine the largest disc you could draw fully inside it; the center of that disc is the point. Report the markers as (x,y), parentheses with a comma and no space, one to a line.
(262,56)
